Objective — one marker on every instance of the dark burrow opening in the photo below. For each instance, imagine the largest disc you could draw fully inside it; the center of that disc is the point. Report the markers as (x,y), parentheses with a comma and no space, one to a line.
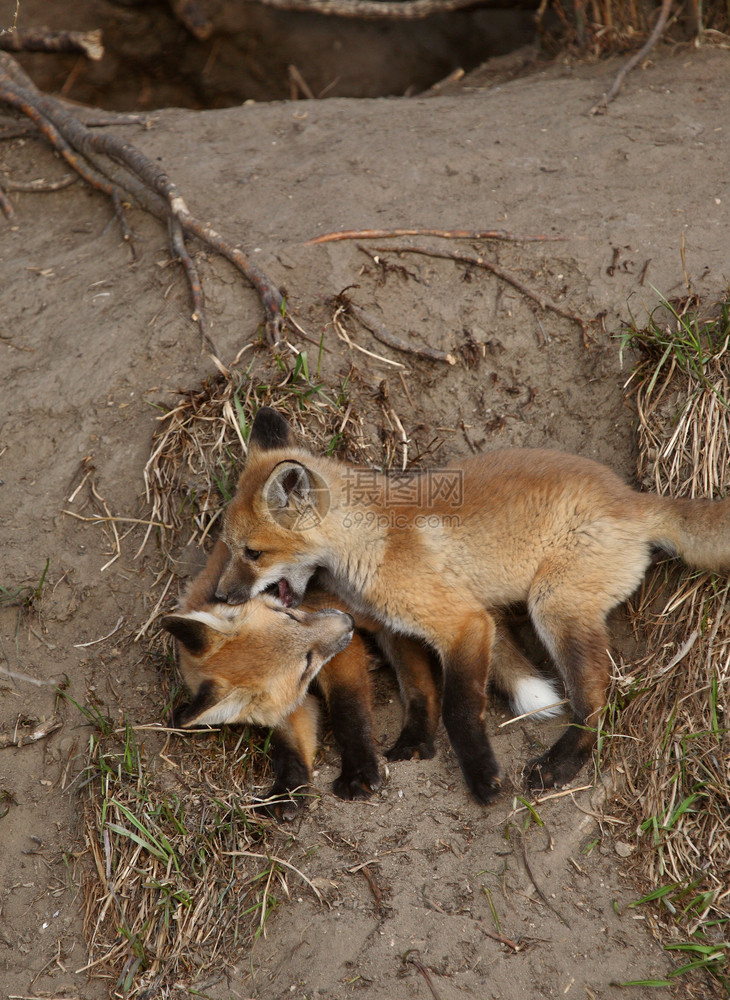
(232,51)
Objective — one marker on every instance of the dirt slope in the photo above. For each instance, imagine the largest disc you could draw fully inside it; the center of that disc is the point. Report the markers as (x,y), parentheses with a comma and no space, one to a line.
(89,339)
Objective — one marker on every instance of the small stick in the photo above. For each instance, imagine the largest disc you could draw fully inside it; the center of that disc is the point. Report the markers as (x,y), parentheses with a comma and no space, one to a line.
(411,10)
(6,206)
(539,891)
(499,272)
(503,940)
(41,184)
(534,711)
(98,519)
(386,337)
(377,894)
(39,733)
(446,234)
(343,335)
(424,972)
(83,645)
(278,861)
(297,80)
(635,59)
(40,40)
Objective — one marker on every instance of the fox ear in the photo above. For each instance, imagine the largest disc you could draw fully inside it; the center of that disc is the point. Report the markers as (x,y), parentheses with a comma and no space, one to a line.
(296,497)
(213,707)
(270,430)
(192,633)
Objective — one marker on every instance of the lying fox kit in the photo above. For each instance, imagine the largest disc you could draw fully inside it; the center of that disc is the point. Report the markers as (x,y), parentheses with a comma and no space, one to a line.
(440,556)
(255,664)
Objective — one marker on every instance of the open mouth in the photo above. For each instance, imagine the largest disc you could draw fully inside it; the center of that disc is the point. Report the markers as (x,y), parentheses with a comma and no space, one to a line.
(284,593)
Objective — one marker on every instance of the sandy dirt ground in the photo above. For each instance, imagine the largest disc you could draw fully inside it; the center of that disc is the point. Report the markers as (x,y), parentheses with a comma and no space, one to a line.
(91,341)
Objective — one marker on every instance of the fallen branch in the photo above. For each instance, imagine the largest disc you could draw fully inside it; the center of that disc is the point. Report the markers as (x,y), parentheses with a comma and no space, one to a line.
(635,59)
(407,10)
(42,730)
(44,40)
(447,234)
(124,174)
(499,272)
(539,891)
(397,343)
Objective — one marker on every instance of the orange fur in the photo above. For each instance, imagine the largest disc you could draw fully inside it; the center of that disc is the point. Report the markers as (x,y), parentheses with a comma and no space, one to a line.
(560,533)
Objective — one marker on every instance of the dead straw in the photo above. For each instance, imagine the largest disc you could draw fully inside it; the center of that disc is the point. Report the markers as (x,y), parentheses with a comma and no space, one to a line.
(673,772)
(184,871)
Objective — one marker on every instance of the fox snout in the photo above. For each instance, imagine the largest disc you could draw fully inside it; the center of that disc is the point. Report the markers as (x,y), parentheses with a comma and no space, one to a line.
(232,595)
(236,583)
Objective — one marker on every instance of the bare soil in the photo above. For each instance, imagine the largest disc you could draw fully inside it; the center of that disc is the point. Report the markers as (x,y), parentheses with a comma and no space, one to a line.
(91,341)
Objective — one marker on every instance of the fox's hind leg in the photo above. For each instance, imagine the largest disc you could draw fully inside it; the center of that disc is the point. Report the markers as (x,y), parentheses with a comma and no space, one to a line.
(466,660)
(579,646)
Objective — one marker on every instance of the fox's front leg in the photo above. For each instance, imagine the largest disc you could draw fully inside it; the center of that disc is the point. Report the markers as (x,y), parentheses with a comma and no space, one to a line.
(466,670)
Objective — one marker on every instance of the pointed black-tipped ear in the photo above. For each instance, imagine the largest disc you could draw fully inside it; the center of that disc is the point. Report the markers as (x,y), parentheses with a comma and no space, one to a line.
(289,479)
(296,497)
(191,633)
(190,713)
(270,430)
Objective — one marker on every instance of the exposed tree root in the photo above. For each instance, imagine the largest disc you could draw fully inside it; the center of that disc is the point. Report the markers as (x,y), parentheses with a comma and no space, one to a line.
(643,52)
(125,174)
(479,261)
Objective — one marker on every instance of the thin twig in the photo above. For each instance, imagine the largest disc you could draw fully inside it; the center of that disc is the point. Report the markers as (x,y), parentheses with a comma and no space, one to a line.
(479,261)
(83,645)
(43,40)
(644,51)
(41,184)
(447,234)
(397,343)
(278,861)
(539,891)
(42,730)
(402,10)
(502,939)
(408,957)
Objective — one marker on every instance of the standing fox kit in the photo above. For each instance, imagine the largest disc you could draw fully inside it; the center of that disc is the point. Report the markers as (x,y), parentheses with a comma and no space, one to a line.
(438,558)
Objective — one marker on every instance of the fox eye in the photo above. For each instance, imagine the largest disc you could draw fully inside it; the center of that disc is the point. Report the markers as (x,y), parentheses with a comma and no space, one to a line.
(251,554)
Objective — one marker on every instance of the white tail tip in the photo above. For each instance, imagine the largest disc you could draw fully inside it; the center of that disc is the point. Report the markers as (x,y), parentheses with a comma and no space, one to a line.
(538,696)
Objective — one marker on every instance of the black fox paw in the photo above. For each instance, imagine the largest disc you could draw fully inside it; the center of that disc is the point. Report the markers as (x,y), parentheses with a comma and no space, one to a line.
(550,770)
(411,747)
(280,805)
(359,782)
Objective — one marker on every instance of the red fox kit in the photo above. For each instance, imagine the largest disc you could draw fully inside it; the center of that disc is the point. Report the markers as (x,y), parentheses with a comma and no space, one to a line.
(255,663)
(436,556)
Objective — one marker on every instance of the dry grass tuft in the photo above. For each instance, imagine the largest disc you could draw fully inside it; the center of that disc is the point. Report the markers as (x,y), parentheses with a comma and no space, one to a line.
(672,751)
(185,871)
(201,442)
(607,27)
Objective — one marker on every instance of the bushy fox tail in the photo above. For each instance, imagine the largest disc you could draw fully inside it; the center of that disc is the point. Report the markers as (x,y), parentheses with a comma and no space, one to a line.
(698,531)
(514,676)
